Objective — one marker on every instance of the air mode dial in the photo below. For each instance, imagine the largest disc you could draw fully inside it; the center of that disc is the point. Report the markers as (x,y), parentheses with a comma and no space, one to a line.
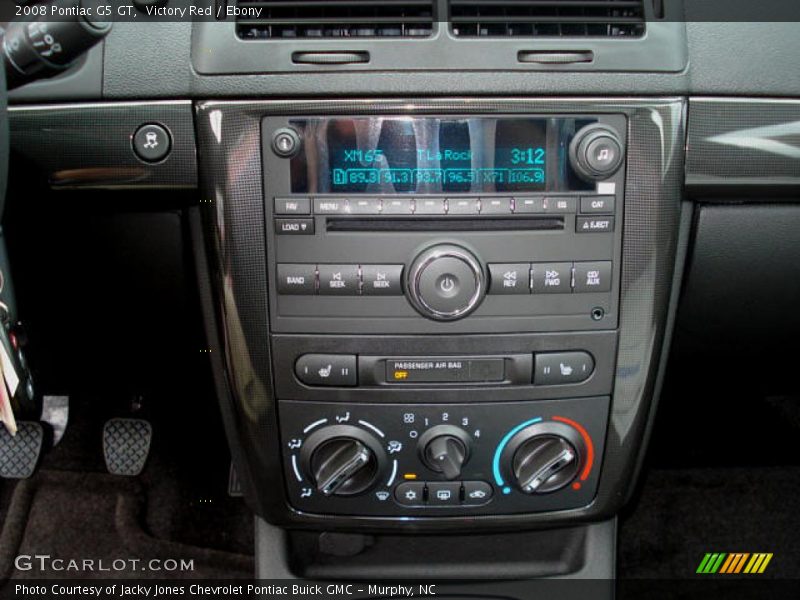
(342,460)
(446,282)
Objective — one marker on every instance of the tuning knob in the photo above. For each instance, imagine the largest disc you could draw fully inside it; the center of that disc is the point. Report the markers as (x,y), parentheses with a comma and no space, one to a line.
(545,457)
(342,460)
(596,152)
(445,449)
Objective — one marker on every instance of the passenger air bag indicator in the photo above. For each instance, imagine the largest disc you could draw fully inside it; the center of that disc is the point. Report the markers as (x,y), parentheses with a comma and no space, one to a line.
(445,370)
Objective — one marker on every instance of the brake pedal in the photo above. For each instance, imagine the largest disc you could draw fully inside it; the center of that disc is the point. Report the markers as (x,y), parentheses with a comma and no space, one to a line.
(19,454)
(126,445)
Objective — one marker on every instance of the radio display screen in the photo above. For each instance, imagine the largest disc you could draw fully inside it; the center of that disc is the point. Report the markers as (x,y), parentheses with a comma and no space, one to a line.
(390,155)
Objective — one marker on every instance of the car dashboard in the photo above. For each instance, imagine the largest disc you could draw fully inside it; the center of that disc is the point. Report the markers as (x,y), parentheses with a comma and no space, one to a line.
(440,248)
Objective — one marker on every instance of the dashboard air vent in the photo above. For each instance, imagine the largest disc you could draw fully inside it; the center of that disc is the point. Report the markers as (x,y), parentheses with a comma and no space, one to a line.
(547,18)
(293,19)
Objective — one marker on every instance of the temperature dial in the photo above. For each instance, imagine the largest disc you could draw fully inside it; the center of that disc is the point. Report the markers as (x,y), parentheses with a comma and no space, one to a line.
(545,463)
(445,449)
(545,457)
(342,460)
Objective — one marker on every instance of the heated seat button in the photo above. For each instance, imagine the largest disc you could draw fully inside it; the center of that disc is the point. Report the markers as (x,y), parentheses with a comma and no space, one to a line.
(299,280)
(477,493)
(411,493)
(382,280)
(558,368)
(593,276)
(551,278)
(444,493)
(338,280)
(508,278)
(327,369)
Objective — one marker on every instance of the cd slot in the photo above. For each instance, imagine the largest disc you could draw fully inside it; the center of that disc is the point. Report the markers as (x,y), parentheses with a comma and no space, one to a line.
(349,224)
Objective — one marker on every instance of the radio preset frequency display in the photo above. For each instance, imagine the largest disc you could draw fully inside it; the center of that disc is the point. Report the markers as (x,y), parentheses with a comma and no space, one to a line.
(427,154)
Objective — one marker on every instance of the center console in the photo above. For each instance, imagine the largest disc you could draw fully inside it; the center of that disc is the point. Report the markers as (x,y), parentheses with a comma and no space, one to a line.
(393,225)
(439,313)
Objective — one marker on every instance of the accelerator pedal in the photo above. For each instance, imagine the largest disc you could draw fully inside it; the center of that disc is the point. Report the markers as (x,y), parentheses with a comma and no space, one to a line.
(19,454)
(126,445)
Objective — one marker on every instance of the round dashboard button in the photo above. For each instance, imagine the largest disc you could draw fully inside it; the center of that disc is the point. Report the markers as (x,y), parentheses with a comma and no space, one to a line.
(596,152)
(285,142)
(445,282)
(602,154)
(152,143)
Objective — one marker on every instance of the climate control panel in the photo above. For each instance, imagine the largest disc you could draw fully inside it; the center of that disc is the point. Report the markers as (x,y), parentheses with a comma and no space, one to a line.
(430,460)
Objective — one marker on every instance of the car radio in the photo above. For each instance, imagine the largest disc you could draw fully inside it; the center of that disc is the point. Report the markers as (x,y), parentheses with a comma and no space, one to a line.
(443,296)
(444,224)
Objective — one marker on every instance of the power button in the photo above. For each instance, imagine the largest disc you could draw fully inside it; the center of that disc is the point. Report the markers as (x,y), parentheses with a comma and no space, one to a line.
(285,142)
(447,285)
(445,282)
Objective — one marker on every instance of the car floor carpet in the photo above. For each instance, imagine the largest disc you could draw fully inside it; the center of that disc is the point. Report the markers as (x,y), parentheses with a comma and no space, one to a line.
(97,517)
(185,479)
(681,514)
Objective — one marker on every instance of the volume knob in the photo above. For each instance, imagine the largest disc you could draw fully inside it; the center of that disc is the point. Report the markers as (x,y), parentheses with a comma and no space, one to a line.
(445,282)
